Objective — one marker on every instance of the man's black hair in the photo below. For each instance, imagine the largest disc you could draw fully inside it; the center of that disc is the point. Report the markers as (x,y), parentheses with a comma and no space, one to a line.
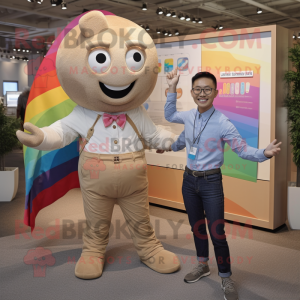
(205,75)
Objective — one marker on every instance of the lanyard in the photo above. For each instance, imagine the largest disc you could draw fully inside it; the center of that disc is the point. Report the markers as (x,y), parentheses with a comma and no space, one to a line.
(198,136)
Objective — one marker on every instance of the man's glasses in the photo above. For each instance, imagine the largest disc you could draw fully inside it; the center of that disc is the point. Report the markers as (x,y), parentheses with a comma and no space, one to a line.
(207,90)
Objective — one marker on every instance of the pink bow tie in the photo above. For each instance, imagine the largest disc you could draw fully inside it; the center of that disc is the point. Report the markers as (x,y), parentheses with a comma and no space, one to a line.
(119,119)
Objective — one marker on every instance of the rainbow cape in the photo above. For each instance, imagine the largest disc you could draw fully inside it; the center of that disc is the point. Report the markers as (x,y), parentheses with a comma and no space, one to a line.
(49,175)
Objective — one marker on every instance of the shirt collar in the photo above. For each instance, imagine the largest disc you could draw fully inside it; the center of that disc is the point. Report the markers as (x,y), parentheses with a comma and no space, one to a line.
(206,114)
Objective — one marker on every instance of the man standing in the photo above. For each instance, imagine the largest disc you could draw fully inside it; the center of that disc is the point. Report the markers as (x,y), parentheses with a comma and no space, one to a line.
(206,132)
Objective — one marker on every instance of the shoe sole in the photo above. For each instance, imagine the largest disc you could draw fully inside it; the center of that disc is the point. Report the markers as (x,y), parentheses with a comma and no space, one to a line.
(192,281)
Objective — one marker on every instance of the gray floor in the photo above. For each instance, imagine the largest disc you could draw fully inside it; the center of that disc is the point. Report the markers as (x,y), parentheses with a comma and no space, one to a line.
(265,265)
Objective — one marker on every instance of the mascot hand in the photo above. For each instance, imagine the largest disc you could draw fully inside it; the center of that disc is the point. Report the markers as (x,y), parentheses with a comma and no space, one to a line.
(30,140)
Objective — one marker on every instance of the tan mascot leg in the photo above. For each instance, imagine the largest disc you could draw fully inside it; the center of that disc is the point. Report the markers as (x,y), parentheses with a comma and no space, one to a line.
(135,207)
(127,182)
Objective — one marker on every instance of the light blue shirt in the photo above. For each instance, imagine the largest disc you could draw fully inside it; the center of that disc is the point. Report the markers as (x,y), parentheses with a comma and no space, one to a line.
(210,145)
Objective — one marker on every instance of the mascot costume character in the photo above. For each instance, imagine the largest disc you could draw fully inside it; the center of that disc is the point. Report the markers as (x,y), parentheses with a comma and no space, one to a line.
(115,62)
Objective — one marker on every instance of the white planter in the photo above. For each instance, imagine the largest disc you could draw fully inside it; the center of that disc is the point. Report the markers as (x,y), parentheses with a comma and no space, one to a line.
(9,182)
(293,206)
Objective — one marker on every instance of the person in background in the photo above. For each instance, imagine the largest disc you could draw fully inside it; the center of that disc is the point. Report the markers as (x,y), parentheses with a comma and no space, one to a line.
(22,102)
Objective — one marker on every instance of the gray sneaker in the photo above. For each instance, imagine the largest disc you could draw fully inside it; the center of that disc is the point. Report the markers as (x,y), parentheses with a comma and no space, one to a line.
(227,286)
(198,272)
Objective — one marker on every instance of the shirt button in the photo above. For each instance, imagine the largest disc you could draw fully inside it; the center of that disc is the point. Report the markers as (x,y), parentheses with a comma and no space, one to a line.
(114,127)
(116,142)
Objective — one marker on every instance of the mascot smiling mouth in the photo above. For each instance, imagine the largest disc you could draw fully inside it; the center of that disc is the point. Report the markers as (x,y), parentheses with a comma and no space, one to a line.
(116,92)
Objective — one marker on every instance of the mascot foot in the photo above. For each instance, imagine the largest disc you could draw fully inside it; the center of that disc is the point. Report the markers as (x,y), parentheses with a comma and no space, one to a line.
(163,262)
(89,267)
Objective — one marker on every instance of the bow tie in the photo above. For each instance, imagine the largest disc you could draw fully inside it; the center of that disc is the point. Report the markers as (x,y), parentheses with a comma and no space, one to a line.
(119,119)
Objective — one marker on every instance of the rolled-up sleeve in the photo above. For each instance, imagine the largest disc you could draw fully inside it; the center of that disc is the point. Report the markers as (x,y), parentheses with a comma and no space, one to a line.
(231,136)
(171,113)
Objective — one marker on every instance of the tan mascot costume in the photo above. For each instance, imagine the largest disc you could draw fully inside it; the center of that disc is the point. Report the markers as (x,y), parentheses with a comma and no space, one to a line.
(117,70)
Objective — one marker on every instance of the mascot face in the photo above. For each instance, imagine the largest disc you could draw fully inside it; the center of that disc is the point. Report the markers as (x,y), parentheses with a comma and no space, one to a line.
(107,63)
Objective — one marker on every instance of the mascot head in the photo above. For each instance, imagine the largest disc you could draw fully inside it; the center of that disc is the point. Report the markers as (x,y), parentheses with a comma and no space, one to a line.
(107,63)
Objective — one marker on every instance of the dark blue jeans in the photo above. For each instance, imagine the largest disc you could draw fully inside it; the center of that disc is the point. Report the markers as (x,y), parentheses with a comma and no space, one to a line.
(206,194)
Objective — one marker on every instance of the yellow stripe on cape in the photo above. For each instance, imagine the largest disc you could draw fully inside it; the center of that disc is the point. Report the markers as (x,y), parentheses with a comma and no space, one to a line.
(45,101)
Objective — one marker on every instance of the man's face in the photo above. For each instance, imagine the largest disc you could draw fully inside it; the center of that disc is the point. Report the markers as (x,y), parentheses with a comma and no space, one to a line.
(205,99)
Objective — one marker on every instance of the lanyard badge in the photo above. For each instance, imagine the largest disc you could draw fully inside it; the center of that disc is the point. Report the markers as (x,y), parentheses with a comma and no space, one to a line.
(193,152)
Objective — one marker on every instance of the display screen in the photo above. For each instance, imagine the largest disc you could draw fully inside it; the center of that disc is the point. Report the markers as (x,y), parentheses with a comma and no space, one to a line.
(12,99)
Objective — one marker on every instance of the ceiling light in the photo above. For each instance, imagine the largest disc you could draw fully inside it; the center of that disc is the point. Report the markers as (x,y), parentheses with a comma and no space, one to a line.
(294,35)
(23,50)
(10,57)
(37,52)
(55,2)
(200,21)
(159,11)
(168,13)
(64,5)
(27,50)
(39,1)
(30,0)
(165,33)
(144,7)
(220,27)
(170,33)
(194,20)
(14,49)
(259,10)
(147,28)
(187,18)
(176,32)
(299,35)
(181,17)
(19,49)
(158,31)
(173,14)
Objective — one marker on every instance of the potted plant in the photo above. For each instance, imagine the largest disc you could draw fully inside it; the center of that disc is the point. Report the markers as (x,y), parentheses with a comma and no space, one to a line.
(9,177)
(292,102)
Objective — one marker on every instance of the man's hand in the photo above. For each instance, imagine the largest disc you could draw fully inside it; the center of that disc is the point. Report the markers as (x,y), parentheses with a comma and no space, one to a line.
(172,80)
(272,149)
(162,151)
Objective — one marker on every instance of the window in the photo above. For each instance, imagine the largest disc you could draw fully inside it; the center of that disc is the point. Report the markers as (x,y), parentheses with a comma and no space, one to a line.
(10,86)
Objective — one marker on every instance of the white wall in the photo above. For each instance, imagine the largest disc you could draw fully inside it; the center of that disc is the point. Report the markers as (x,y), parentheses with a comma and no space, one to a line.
(13,71)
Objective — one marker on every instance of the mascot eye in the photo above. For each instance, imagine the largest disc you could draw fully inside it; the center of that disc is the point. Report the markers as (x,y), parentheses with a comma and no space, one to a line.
(99,61)
(135,60)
